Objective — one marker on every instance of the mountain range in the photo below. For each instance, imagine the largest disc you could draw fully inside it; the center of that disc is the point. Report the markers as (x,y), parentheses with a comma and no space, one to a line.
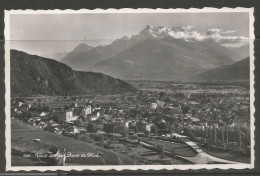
(31,74)
(55,56)
(238,71)
(157,53)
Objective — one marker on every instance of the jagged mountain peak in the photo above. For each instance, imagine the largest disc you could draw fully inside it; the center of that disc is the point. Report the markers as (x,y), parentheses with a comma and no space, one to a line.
(163,31)
(82,47)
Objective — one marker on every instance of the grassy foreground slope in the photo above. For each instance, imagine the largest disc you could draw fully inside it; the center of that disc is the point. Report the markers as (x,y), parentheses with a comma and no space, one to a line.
(71,145)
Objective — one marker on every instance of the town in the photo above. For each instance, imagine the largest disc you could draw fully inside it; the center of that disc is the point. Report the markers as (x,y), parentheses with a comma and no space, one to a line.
(176,120)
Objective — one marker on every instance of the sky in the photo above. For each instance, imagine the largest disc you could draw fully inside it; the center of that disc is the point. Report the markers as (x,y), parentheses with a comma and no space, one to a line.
(55,33)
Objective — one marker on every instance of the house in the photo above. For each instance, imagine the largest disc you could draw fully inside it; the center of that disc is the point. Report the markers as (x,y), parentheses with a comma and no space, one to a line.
(69,116)
(86,110)
(58,131)
(153,105)
(96,113)
(203,123)
(42,124)
(130,124)
(194,103)
(160,103)
(43,114)
(118,120)
(196,127)
(188,115)
(149,127)
(120,111)
(20,104)
(194,119)
(187,95)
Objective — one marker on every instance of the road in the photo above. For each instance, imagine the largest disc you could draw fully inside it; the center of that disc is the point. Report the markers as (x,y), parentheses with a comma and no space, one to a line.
(202,157)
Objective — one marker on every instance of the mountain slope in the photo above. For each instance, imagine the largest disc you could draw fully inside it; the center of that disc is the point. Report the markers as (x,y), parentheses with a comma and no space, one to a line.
(164,59)
(160,53)
(84,59)
(55,56)
(32,74)
(236,71)
(242,51)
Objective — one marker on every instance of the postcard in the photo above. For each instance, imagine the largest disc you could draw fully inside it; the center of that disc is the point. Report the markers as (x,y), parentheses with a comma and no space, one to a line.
(131,89)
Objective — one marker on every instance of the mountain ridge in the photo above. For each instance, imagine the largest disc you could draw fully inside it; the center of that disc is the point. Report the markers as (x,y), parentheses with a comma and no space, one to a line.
(31,74)
(238,71)
(163,59)
(197,52)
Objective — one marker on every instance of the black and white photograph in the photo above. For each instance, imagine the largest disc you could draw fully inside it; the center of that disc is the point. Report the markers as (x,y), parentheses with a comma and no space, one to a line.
(129,89)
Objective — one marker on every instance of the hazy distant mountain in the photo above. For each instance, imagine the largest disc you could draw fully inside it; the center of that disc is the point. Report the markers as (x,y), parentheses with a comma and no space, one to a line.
(82,60)
(32,74)
(161,53)
(55,56)
(234,72)
(242,51)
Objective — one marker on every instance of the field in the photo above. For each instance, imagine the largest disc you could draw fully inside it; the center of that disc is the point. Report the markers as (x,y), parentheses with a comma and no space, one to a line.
(229,156)
(180,149)
(21,161)
(175,87)
(71,145)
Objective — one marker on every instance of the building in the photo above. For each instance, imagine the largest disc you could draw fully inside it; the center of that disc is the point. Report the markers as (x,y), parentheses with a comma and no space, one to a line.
(43,114)
(69,116)
(96,113)
(203,123)
(86,110)
(149,127)
(153,106)
(160,103)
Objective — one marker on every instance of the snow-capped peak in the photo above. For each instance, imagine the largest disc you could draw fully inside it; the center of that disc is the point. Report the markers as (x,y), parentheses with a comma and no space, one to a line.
(185,33)
(163,31)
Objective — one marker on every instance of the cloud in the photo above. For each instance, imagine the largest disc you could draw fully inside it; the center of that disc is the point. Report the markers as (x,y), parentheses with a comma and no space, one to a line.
(228,32)
(213,31)
(234,45)
(188,27)
(224,38)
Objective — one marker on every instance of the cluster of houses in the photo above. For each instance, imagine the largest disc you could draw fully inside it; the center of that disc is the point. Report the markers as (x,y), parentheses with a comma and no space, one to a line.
(186,112)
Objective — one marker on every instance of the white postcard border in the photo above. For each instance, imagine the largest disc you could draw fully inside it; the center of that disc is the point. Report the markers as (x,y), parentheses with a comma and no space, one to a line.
(126,167)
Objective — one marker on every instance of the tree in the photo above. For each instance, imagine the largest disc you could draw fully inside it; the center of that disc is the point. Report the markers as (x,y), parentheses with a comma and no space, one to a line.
(108,127)
(154,129)
(161,95)
(47,108)
(161,125)
(215,134)
(121,129)
(222,134)
(227,134)
(185,109)
(162,149)
(26,115)
(59,118)
(91,127)
(79,122)
(173,154)
(239,136)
